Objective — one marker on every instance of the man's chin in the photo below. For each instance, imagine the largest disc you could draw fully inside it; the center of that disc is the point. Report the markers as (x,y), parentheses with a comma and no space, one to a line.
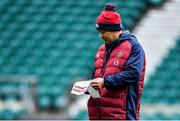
(106,41)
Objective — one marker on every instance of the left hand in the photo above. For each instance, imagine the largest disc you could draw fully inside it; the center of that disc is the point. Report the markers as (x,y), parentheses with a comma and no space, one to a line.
(97,83)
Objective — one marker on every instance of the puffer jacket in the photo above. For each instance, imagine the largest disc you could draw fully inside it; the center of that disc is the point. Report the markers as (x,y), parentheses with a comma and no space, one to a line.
(122,65)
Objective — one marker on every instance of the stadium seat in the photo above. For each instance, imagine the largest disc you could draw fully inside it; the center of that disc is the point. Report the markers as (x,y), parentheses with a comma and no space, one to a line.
(155,2)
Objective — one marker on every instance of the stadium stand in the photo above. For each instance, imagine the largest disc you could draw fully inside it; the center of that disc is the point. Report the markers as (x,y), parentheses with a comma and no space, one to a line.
(55,41)
(45,39)
(163,86)
(14,98)
(160,95)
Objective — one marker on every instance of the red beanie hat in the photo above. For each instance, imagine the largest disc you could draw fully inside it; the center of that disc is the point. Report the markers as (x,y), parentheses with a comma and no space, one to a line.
(109,19)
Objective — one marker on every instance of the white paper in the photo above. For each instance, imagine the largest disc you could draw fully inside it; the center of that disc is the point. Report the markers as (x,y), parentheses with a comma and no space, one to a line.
(93,92)
(80,87)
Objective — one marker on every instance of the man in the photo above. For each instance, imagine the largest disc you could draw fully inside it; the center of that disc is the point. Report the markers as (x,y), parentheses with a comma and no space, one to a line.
(119,71)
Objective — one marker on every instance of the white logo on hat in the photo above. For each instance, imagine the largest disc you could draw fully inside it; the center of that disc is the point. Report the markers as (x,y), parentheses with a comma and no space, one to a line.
(97,25)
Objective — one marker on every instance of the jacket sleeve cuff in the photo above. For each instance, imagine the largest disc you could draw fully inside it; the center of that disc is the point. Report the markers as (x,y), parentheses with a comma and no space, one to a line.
(107,84)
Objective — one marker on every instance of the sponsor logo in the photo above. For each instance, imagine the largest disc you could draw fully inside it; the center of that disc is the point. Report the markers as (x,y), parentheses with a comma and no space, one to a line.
(119,54)
(116,63)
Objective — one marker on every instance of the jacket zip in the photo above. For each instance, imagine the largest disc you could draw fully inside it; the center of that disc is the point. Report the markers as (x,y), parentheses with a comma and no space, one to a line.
(107,54)
(99,112)
(104,64)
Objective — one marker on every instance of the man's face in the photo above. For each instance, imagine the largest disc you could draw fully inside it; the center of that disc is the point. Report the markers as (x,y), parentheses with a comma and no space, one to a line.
(107,36)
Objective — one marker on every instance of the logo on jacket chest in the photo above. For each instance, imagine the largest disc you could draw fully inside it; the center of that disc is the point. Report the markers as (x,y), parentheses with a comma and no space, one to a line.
(116,63)
(119,54)
(97,55)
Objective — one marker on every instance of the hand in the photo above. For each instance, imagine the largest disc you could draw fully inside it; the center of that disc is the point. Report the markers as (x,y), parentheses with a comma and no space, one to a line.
(97,83)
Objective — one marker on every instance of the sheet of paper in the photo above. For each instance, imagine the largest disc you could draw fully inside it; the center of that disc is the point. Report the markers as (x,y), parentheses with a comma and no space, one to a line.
(80,87)
(93,92)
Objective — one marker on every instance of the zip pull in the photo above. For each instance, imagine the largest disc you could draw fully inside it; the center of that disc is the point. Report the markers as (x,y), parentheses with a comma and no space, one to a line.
(104,64)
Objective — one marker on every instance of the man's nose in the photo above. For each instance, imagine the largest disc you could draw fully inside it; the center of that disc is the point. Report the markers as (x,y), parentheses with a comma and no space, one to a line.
(101,35)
